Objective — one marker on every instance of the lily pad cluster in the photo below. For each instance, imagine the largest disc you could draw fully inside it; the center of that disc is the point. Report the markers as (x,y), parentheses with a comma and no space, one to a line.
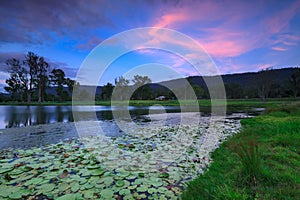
(150,163)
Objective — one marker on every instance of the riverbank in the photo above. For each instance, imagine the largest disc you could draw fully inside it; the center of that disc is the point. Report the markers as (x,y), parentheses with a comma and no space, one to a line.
(202,102)
(261,162)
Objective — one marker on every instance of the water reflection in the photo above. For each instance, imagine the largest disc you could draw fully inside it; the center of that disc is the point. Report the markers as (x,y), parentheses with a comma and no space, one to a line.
(22,116)
(19,116)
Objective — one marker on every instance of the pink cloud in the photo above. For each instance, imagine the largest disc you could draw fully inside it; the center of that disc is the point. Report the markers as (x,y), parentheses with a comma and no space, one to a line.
(280,21)
(227,38)
(170,19)
(279,48)
(287,40)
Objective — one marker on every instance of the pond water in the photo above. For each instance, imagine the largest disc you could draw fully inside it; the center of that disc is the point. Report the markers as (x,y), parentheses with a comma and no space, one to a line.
(20,116)
(27,126)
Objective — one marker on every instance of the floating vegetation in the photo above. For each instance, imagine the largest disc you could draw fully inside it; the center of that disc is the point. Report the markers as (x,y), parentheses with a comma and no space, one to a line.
(151,163)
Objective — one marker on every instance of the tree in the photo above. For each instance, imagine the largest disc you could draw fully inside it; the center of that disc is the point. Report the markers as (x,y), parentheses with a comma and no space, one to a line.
(234,91)
(18,81)
(107,91)
(199,92)
(42,78)
(295,82)
(142,90)
(121,90)
(70,83)
(57,78)
(31,60)
(264,83)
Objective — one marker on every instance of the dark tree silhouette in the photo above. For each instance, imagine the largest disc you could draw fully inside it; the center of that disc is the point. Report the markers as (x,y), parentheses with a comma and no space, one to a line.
(18,81)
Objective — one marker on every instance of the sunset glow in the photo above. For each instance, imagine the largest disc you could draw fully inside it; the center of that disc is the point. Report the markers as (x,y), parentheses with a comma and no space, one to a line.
(240,36)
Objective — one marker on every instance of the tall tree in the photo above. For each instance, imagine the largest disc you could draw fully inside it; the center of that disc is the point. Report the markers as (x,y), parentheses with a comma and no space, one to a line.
(142,90)
(42,78)
(18,81)
(264,83)
(70,83)
(122,88)
(31,60)
(57,78)
(295,82)
(107,91)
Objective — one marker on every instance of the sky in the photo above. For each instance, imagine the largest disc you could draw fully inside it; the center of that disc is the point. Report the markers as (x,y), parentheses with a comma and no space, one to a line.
(238,36)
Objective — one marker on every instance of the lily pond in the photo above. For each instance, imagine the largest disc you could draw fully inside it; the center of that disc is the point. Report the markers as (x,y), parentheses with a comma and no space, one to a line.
(146,162)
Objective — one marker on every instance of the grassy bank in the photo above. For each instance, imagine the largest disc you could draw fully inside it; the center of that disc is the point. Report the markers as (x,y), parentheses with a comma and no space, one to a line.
(202,102)
(261,162)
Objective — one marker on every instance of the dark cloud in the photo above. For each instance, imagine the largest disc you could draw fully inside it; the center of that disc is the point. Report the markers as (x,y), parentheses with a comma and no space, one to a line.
(91,43)
(35,21)
(70,72)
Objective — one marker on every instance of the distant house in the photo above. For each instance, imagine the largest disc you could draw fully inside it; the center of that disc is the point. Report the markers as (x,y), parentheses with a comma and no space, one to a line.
(160,98)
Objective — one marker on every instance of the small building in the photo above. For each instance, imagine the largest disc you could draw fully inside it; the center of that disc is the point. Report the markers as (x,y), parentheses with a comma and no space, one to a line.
(160,98)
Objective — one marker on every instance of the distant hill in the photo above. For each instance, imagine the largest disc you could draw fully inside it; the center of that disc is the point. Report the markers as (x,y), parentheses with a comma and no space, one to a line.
(247,80)
(278,76)
(276,82)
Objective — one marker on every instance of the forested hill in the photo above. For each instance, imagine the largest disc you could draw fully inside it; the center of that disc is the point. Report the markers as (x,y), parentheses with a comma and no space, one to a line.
(274,82)
(271,83)
(264,84)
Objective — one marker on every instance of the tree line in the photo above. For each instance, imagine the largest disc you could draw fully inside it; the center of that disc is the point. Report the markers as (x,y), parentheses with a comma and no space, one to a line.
(30,78)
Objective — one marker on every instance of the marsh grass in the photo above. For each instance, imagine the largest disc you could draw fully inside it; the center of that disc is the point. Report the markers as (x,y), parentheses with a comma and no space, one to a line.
(250,157)
(261,162)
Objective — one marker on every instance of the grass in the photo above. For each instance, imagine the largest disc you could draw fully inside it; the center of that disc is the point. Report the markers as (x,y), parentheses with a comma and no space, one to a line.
(261,162)
(202,102)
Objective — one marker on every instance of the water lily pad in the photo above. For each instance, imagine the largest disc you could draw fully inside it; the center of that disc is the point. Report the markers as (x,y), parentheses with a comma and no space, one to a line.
(63,187)
(163,197)
(26,168)
(107,194)
(138,181)
(162,190)
(124,192)
(75,186)
(93,166)
(151,190)
(18,194)
(6,191)
(164,175)
(132,187)
(46,188)
(97,172)
(120,183)
(131,177)
(87,186)
(4,170)
(108,181)
(16,172)
(88,194)
(128,197)
(85,172)
(142,188)
(34,181)
(68,197)
(124,174)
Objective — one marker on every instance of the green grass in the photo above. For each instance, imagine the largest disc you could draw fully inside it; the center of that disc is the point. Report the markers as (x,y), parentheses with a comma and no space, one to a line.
(202,102)
(261,162)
